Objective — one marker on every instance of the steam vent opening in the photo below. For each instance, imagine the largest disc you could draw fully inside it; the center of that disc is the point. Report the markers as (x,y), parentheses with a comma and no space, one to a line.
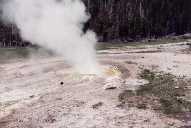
(109,71)
(111,75)
(112,71)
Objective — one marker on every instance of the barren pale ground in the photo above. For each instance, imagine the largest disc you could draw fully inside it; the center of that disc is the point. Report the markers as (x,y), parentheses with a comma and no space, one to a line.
(32,96)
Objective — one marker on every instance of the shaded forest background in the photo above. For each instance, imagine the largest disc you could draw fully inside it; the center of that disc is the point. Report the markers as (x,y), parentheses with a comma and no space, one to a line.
(137,19)
(126,20)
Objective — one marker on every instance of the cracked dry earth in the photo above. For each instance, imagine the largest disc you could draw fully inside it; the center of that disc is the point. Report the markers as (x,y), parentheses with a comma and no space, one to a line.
(45,93)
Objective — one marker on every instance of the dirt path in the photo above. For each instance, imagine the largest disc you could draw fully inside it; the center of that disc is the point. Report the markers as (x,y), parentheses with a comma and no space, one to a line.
(31,94)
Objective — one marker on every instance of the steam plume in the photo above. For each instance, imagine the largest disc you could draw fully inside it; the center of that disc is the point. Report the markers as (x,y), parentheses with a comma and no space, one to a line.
(56,25)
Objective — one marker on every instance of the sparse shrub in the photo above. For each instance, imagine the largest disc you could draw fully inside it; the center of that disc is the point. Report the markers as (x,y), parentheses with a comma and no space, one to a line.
(164,92)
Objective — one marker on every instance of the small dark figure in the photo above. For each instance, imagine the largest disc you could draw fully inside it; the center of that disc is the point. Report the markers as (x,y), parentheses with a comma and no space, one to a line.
(61,83)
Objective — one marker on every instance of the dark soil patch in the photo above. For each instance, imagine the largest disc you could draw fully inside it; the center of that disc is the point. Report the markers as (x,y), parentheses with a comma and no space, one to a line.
(131,62)
(148,51)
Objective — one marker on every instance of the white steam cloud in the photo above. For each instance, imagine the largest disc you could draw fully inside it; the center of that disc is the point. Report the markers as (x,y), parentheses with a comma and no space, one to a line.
(56,25)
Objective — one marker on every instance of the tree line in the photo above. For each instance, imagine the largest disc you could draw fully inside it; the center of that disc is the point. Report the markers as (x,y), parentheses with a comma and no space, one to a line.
(125,20)
(137,19)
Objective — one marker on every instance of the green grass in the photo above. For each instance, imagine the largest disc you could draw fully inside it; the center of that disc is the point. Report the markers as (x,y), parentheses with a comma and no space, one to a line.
(23,52)
(8,54)
(164,93)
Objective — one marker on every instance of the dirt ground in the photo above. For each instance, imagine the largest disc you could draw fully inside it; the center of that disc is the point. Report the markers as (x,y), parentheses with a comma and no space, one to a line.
(45,92)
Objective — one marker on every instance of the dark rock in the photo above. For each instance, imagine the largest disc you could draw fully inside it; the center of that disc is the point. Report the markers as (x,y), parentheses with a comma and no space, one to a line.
(32,96)
(96,106)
